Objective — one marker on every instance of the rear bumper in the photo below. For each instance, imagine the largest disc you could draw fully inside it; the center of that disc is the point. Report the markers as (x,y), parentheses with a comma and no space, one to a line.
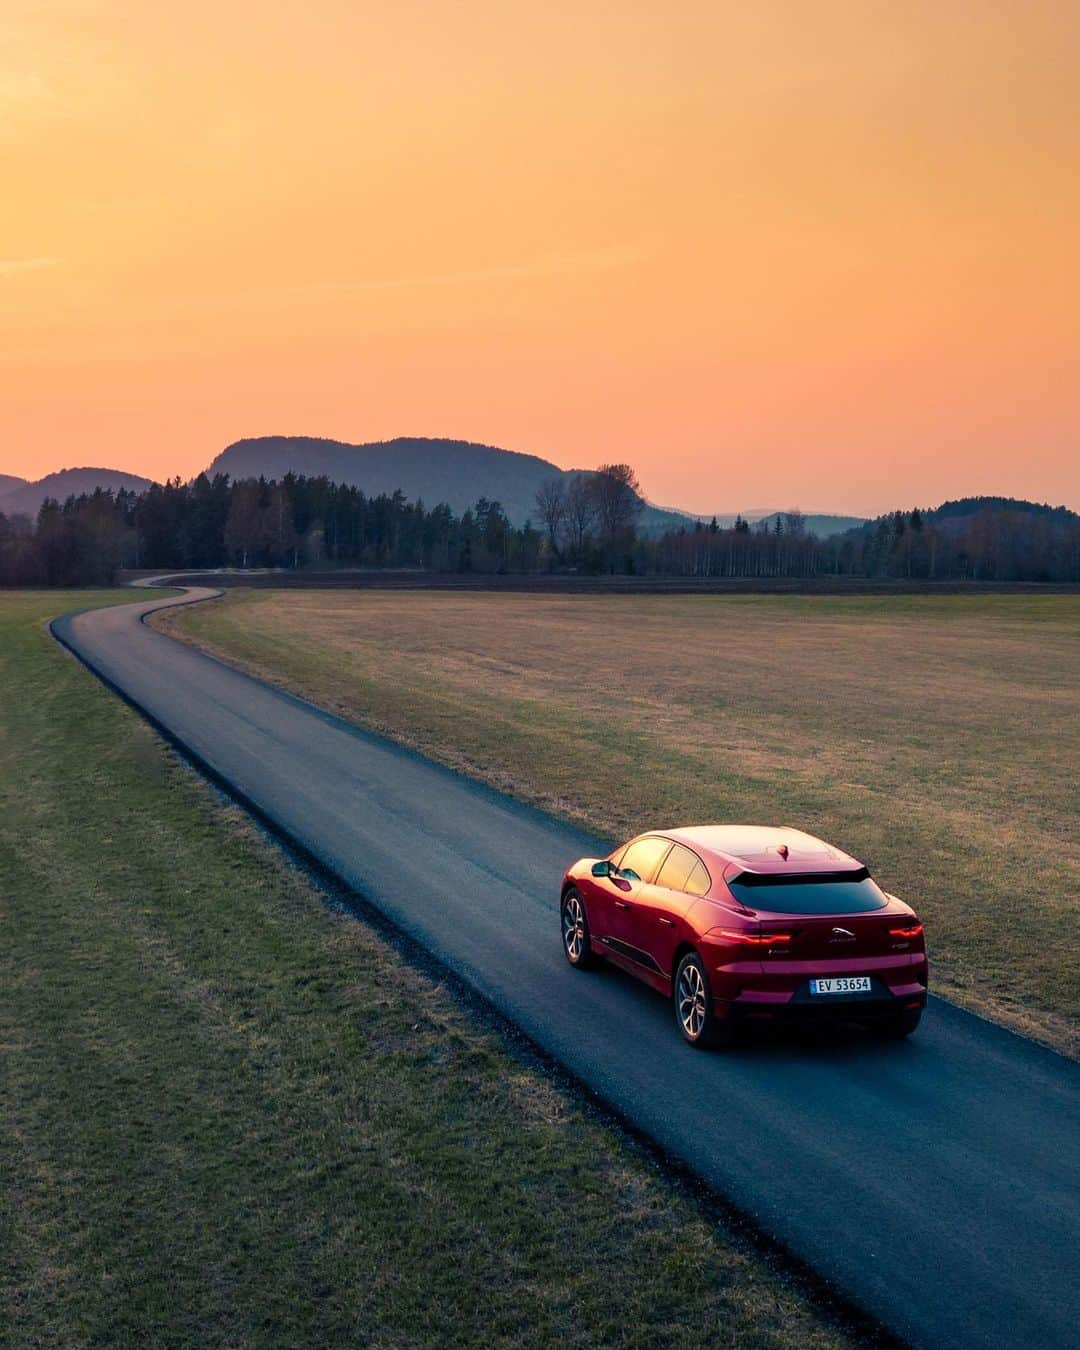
(876,1006)
(897,982)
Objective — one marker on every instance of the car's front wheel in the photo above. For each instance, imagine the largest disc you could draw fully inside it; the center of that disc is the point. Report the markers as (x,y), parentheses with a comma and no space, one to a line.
(577,940)
(694,1010)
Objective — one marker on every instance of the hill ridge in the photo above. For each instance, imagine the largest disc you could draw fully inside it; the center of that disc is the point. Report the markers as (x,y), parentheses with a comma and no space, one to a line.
(432,468)
(26,497)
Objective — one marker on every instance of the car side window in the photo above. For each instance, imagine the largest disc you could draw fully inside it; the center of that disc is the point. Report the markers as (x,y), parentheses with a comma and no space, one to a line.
(678,865)
(699,881)
(641,859)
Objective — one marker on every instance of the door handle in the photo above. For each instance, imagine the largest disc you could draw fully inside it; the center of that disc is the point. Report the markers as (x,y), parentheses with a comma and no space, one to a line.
(621,904)
(668,923)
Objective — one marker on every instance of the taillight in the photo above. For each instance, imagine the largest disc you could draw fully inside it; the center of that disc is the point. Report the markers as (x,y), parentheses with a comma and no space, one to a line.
(911,930)
(749,939)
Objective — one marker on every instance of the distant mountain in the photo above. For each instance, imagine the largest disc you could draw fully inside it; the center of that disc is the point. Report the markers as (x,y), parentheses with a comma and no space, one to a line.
(815,523)
(955,516)
(423,468)
(964,507)
(432,469)
(25,498)
(822,526)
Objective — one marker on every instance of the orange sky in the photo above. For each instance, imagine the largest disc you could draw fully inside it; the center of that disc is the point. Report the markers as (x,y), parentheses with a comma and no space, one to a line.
(817,253)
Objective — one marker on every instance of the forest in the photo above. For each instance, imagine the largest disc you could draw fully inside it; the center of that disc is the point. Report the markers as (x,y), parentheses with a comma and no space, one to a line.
(586,526)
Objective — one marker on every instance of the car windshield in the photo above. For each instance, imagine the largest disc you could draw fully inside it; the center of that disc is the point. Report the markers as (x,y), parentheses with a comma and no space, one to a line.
(824,893)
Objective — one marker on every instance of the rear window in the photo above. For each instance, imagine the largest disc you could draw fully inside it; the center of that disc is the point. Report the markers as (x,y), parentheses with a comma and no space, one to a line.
(824,893)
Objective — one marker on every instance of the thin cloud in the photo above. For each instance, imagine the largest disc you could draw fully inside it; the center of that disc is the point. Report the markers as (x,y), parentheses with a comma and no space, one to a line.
(316,292)
(82,205)
(14,267)
(23,89)
(162,308)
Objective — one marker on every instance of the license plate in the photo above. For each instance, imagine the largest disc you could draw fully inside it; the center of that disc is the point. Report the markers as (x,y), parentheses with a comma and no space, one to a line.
(842,984)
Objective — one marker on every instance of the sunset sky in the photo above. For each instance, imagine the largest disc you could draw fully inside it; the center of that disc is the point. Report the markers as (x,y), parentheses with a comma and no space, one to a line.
(820,253)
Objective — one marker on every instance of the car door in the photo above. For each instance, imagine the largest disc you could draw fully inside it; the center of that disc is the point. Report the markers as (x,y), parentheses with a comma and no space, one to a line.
(637,866)
(606,899)
(657,921)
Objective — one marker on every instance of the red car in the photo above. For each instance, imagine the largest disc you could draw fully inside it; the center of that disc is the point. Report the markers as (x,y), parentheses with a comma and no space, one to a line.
(736,922)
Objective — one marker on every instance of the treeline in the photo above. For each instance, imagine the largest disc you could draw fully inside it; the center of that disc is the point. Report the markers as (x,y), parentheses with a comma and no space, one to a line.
(583,523)
(298,522)
(306,522)
(992,543)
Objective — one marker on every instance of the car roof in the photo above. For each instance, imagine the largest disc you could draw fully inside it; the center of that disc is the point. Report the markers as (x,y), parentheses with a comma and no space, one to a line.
(763,848)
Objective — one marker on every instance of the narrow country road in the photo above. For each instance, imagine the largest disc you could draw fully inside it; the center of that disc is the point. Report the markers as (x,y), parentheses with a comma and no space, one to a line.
(935,1181)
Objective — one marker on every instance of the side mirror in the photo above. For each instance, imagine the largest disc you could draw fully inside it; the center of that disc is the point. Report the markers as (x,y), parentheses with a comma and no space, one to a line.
(606,868)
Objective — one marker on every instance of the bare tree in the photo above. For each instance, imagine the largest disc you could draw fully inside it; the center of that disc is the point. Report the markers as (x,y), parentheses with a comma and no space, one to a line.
(551,508)
(244,526)
(580,514)
(615,490)
(281,535)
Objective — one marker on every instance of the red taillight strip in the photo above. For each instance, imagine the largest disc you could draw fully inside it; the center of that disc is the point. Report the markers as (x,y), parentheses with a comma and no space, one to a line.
(912,931)
(750,939)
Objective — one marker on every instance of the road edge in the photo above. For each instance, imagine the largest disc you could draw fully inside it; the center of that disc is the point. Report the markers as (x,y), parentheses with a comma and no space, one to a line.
(839,1306)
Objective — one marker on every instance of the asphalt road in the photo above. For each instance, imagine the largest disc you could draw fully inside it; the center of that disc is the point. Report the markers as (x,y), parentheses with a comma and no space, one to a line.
(935,1181)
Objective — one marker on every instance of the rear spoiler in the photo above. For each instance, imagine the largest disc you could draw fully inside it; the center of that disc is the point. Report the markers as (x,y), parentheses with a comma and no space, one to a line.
(797,878)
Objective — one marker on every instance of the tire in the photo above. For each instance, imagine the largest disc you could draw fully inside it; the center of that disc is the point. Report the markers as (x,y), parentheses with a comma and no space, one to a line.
(693,1001)
(900,1025)
(577,939)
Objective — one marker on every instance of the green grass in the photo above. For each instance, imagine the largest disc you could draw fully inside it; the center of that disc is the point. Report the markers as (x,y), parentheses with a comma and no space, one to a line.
(230,1114)
(936,737)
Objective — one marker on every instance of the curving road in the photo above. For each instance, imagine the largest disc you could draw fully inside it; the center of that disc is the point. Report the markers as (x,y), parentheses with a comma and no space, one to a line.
(936,1181)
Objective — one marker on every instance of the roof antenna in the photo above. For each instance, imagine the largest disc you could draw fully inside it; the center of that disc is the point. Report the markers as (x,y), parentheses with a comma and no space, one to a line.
(782,849)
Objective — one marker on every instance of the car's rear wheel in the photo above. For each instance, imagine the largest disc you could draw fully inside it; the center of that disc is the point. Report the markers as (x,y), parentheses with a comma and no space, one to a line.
(577,940)
(899,1025)
(694,1010)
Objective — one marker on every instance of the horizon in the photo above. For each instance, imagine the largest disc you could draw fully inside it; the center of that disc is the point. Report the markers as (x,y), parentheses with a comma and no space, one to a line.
(747,512)
(757,254)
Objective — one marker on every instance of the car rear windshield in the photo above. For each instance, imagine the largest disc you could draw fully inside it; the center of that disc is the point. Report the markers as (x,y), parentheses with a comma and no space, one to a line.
(823,893)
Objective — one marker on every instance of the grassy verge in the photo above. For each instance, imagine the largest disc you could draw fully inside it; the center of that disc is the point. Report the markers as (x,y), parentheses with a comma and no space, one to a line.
(230,1114)
(936,737)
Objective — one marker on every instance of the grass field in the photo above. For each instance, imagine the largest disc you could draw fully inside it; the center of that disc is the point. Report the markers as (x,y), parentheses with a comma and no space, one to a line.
(938,738)
(231,1115)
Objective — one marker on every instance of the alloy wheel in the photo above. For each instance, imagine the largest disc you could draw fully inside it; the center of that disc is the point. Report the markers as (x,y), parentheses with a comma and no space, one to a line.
(574,928)
(692,1006)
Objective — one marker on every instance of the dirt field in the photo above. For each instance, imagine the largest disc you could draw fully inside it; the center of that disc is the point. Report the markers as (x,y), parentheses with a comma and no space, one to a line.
(936,737)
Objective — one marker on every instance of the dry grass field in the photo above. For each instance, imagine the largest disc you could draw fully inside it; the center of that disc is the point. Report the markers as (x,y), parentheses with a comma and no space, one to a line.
(936,737)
